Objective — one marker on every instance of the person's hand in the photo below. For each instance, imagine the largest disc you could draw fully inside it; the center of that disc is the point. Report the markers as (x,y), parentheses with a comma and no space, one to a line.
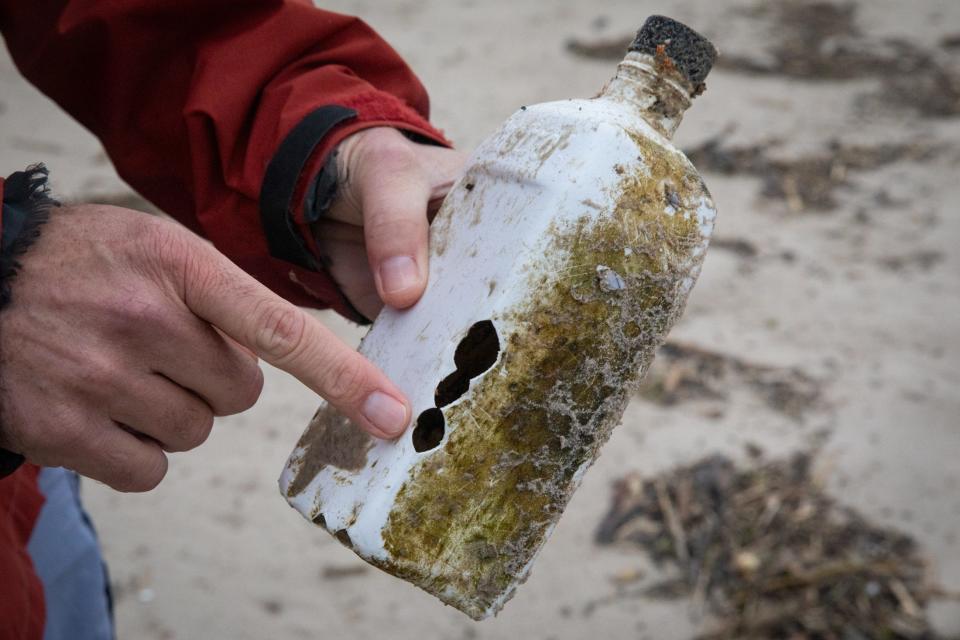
(127,334)
(374,236)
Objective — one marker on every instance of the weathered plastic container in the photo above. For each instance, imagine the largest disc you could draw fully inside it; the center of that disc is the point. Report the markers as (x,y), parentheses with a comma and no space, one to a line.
(558,263)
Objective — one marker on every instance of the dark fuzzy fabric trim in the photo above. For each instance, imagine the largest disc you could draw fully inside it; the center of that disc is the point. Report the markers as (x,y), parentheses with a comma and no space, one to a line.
(26,207)
(27,204)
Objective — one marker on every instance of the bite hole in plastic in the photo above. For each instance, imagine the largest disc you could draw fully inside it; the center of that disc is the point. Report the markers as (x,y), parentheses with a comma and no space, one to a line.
(475,354)
(429,431)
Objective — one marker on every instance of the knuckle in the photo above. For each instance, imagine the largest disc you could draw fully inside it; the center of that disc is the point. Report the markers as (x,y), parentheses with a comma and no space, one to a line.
(146,475)
(393,149)
(279,330)
(246,384)
(161,239)
(203,427)
(380,142)
(250,390)
(101,376)
(163,243)
(199,273)
(141,310)
(173,254)
(117,471)
(345,381)
(191,429)
(392,228)
(131,474)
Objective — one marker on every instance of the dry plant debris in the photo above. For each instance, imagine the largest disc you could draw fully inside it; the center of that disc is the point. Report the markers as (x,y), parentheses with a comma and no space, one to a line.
(770,554)
(808,182)
(682,372)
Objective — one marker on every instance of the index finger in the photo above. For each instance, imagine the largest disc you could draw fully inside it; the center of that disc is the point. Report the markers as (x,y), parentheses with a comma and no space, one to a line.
(290,339)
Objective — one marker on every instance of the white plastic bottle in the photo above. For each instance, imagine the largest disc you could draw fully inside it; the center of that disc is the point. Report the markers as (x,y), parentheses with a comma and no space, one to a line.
(558,264)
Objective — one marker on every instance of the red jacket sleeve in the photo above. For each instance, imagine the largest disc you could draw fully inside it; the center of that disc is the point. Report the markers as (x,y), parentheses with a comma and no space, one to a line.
(22,608)
(192,100)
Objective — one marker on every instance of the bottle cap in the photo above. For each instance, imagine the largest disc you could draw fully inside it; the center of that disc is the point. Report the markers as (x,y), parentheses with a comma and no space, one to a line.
(692,54)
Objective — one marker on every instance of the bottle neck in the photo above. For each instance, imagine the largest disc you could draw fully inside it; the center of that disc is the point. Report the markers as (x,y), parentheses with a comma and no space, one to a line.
(656,90)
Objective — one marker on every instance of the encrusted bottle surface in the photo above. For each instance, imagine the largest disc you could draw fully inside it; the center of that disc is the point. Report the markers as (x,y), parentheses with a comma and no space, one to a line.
(558,263)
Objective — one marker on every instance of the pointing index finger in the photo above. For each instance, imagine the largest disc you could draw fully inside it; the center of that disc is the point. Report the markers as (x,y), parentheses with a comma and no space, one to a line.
(292,340)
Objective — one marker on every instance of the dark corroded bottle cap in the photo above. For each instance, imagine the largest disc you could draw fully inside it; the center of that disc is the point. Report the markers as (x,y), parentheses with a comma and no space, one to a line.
(692,54)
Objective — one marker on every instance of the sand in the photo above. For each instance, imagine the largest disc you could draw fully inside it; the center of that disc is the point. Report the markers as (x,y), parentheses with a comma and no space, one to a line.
(863,297)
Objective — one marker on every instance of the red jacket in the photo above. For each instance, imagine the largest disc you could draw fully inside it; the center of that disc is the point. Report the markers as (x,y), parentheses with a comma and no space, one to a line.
(192,101)
(21,594)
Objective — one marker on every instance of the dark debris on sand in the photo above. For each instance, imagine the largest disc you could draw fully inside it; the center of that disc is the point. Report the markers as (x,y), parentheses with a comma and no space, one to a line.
(808,182)
(770,554)
(682,372)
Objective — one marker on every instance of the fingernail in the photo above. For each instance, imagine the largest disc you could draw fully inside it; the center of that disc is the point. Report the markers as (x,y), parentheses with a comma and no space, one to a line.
(385,412)
(398,274)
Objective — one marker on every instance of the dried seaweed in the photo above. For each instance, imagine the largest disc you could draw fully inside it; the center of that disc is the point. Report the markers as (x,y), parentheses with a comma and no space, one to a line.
(808,182)
(770,554)
(683,372)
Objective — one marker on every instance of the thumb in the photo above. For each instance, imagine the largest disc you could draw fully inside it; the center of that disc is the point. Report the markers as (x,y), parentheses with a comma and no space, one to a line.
(386,190)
